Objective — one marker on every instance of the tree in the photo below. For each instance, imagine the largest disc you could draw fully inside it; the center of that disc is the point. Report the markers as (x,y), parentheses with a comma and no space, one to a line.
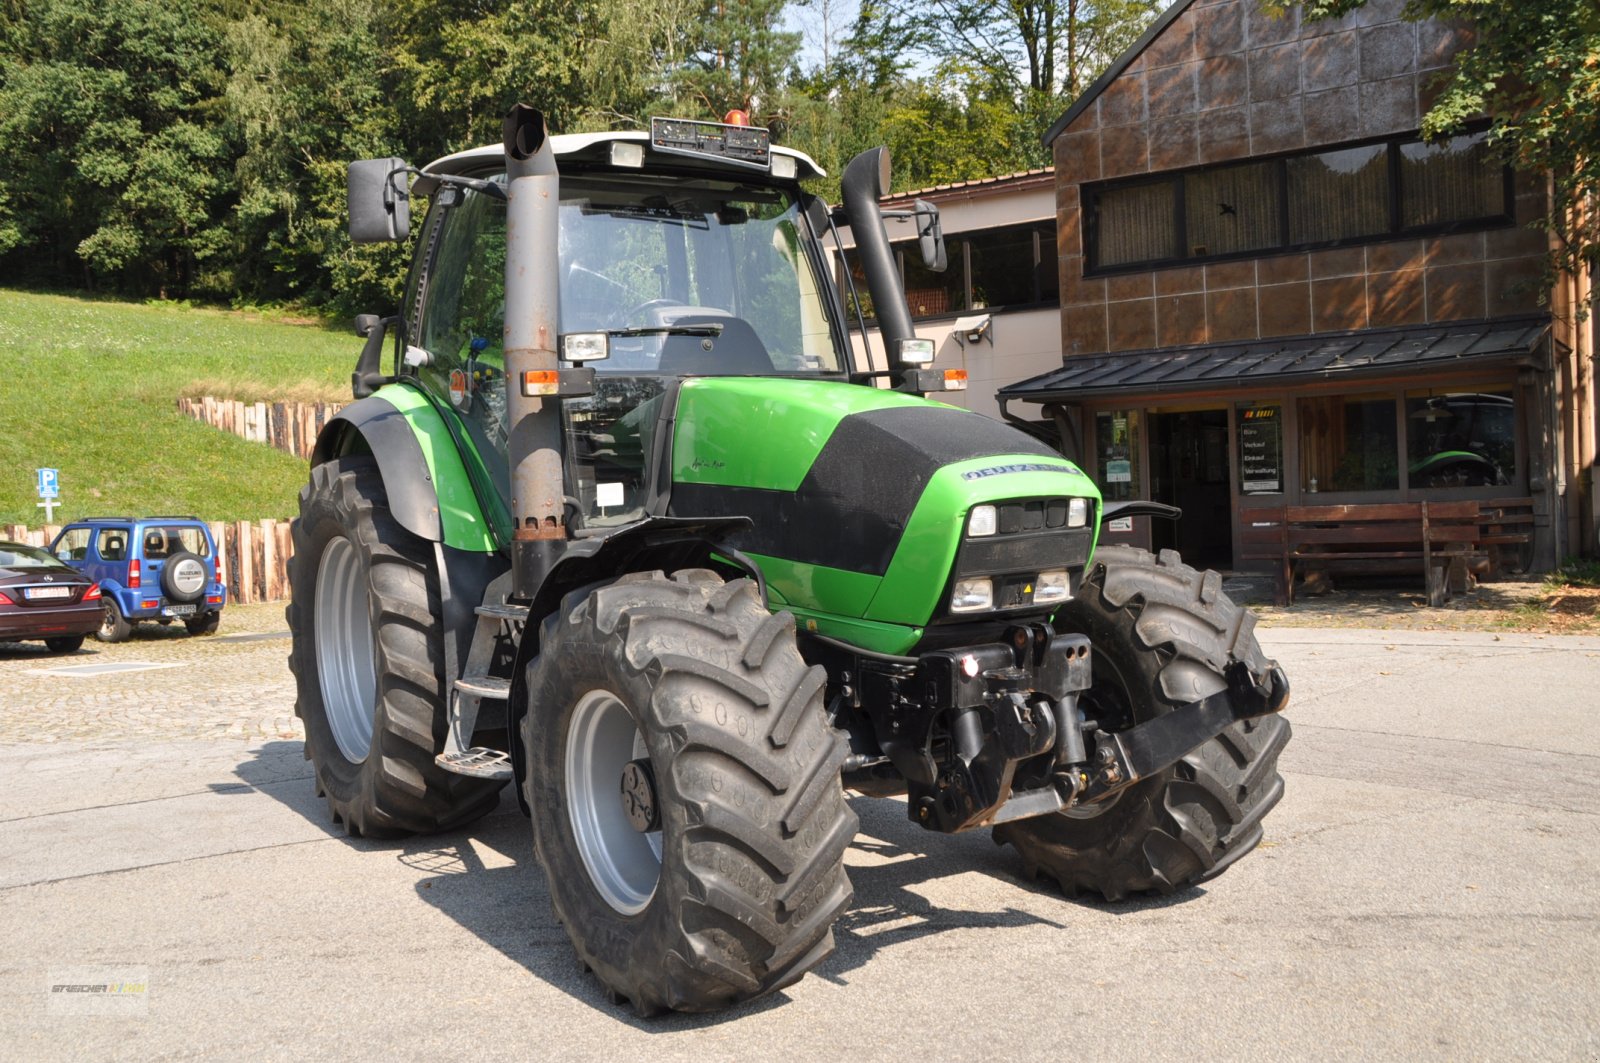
(1533,68)
(115,161)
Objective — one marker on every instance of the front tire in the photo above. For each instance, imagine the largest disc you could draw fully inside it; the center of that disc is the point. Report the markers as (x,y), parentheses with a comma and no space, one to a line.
(368,660)
(64,644)
(735,892)
(1162,634)
(205,624)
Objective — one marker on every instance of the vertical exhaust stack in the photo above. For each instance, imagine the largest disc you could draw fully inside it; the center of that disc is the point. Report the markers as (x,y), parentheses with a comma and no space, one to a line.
(865,180)
(533,198)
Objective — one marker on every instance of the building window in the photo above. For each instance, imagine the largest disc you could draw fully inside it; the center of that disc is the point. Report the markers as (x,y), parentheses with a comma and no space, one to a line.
(1294,202)
(1348,444)
(1135,223)
(1232,209)
(1461,439)
(1338,195)
(1116,448)
(1451,180)
(995,269)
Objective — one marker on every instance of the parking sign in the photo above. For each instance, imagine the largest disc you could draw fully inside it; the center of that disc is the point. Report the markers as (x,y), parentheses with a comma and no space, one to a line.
(49,483)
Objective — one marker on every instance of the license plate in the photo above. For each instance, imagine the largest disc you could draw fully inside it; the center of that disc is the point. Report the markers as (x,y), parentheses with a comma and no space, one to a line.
(34,594)
(178,610)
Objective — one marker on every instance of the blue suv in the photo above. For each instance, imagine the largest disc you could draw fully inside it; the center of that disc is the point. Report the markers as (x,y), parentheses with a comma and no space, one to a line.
(148,568)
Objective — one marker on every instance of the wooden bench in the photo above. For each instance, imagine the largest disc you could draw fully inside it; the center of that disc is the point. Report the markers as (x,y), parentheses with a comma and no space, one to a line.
(1383,537)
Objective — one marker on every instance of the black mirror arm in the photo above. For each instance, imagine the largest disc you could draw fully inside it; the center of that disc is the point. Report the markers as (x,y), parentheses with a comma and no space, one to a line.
(369,376)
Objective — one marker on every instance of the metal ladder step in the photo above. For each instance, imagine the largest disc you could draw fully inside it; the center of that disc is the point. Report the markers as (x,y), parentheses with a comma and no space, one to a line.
(484,686)
(504,611)
(478,762)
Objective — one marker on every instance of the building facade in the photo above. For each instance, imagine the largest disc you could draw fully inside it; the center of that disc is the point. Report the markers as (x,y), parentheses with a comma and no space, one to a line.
(1274,291)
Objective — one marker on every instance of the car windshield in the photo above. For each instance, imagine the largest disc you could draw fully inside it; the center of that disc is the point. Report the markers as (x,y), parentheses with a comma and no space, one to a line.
(17,556)
(161,541)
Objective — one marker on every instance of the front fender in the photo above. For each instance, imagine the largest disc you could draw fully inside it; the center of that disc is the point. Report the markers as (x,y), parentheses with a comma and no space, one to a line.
(429,490)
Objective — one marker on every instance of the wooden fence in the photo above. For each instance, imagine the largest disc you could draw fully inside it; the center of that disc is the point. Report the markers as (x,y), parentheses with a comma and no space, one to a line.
(254,555)
(291,426)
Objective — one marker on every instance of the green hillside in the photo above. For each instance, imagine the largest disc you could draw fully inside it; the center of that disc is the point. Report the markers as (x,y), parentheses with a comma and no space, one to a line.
(90,388)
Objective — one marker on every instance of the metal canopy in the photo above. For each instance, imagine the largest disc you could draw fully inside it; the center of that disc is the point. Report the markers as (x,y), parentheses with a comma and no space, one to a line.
(1371,353)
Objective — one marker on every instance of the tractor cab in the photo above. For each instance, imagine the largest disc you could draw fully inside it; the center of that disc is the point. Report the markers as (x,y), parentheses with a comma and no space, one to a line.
(671,266)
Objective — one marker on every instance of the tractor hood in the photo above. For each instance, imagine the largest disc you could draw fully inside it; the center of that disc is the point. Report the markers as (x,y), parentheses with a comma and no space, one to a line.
(859,496)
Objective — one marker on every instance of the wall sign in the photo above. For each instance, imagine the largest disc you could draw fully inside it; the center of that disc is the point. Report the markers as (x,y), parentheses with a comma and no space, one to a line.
(1261,450)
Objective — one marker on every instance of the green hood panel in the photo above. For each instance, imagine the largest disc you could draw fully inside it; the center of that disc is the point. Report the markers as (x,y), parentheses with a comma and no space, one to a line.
(764,432)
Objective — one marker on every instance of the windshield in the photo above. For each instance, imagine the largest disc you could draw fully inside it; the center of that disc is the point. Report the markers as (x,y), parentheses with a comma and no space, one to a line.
(717,266)
(17,556)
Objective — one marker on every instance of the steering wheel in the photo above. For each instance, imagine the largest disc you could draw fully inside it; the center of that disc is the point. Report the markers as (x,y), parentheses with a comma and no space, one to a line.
(638,315)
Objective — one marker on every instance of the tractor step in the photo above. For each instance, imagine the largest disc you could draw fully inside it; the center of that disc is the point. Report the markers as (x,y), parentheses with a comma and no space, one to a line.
(504,611)
(478,762)
(484,686)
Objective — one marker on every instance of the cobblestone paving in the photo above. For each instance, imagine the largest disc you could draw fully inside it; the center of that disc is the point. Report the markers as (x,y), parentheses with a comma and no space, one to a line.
(235,684)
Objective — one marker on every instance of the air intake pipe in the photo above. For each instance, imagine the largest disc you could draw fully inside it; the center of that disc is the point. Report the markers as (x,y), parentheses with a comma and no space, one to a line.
(533,201)
(865,180)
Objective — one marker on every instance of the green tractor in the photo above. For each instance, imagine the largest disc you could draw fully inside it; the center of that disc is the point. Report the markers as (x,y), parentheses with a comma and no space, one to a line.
(629,527)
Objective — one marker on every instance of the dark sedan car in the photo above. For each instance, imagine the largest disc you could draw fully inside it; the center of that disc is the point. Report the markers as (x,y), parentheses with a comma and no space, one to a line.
(43,598)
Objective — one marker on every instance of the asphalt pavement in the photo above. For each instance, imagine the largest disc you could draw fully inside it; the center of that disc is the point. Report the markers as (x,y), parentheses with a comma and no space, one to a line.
(1427,889)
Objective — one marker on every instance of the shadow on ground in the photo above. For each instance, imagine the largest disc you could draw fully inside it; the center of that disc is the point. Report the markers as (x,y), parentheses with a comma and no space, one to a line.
(507,906)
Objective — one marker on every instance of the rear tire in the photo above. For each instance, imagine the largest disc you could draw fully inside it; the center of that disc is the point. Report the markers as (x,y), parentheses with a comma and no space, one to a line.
(64,644)
(368,660)
(736,894)
(1162,634)
(203,625)
(114,627)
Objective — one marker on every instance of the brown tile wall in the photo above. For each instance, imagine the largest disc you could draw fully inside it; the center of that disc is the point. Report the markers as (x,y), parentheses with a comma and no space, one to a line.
(1227,81)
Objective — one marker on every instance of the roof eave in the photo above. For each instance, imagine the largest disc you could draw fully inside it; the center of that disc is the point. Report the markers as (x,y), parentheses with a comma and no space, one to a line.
(1115,70)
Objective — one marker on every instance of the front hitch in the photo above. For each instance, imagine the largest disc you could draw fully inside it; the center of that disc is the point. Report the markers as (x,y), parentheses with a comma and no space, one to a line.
(1123,758)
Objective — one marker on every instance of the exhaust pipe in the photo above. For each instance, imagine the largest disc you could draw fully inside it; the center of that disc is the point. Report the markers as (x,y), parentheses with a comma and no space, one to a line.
(533,199)
(865,180)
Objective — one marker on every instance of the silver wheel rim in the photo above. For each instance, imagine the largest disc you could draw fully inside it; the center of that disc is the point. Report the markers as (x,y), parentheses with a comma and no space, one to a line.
(346,667)
(623,864)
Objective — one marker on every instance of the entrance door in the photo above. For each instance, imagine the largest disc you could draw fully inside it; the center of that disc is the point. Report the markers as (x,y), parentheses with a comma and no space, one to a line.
(1189,469)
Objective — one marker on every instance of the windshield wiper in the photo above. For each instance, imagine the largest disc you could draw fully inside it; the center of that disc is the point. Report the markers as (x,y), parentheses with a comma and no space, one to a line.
(666,330)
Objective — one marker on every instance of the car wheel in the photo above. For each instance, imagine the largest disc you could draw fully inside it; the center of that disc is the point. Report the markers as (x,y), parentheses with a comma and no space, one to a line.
(65,644)
(204,624)
(114,627)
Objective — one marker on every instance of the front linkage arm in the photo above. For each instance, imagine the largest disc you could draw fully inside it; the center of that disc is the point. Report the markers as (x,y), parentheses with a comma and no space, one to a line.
(1125,757)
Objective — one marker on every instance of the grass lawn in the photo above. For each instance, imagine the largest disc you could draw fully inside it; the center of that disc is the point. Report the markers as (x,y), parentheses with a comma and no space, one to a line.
(90,387)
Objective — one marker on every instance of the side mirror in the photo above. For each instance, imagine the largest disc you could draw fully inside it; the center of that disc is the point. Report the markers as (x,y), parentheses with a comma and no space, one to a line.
(930,237)
(380,201)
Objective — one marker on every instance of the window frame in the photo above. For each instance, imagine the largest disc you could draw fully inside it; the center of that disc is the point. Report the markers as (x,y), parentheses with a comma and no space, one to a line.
(1091,191)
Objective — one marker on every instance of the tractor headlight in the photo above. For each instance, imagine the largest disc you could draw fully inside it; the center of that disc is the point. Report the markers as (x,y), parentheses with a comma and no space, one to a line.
(1077,512)
(1052,586)
(972,595)
(983,521)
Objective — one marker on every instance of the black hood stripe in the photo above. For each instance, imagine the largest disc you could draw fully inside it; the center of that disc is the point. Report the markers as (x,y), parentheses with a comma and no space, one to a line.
(852,507)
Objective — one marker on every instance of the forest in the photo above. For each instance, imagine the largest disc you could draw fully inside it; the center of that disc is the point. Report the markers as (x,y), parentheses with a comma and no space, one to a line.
(196,149)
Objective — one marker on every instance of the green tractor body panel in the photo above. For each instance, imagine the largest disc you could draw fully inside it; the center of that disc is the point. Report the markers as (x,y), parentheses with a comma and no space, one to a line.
(859,496)
(461,511)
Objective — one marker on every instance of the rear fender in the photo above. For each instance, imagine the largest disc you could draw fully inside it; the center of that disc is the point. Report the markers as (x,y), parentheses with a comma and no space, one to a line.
(429,491)
(665,543)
